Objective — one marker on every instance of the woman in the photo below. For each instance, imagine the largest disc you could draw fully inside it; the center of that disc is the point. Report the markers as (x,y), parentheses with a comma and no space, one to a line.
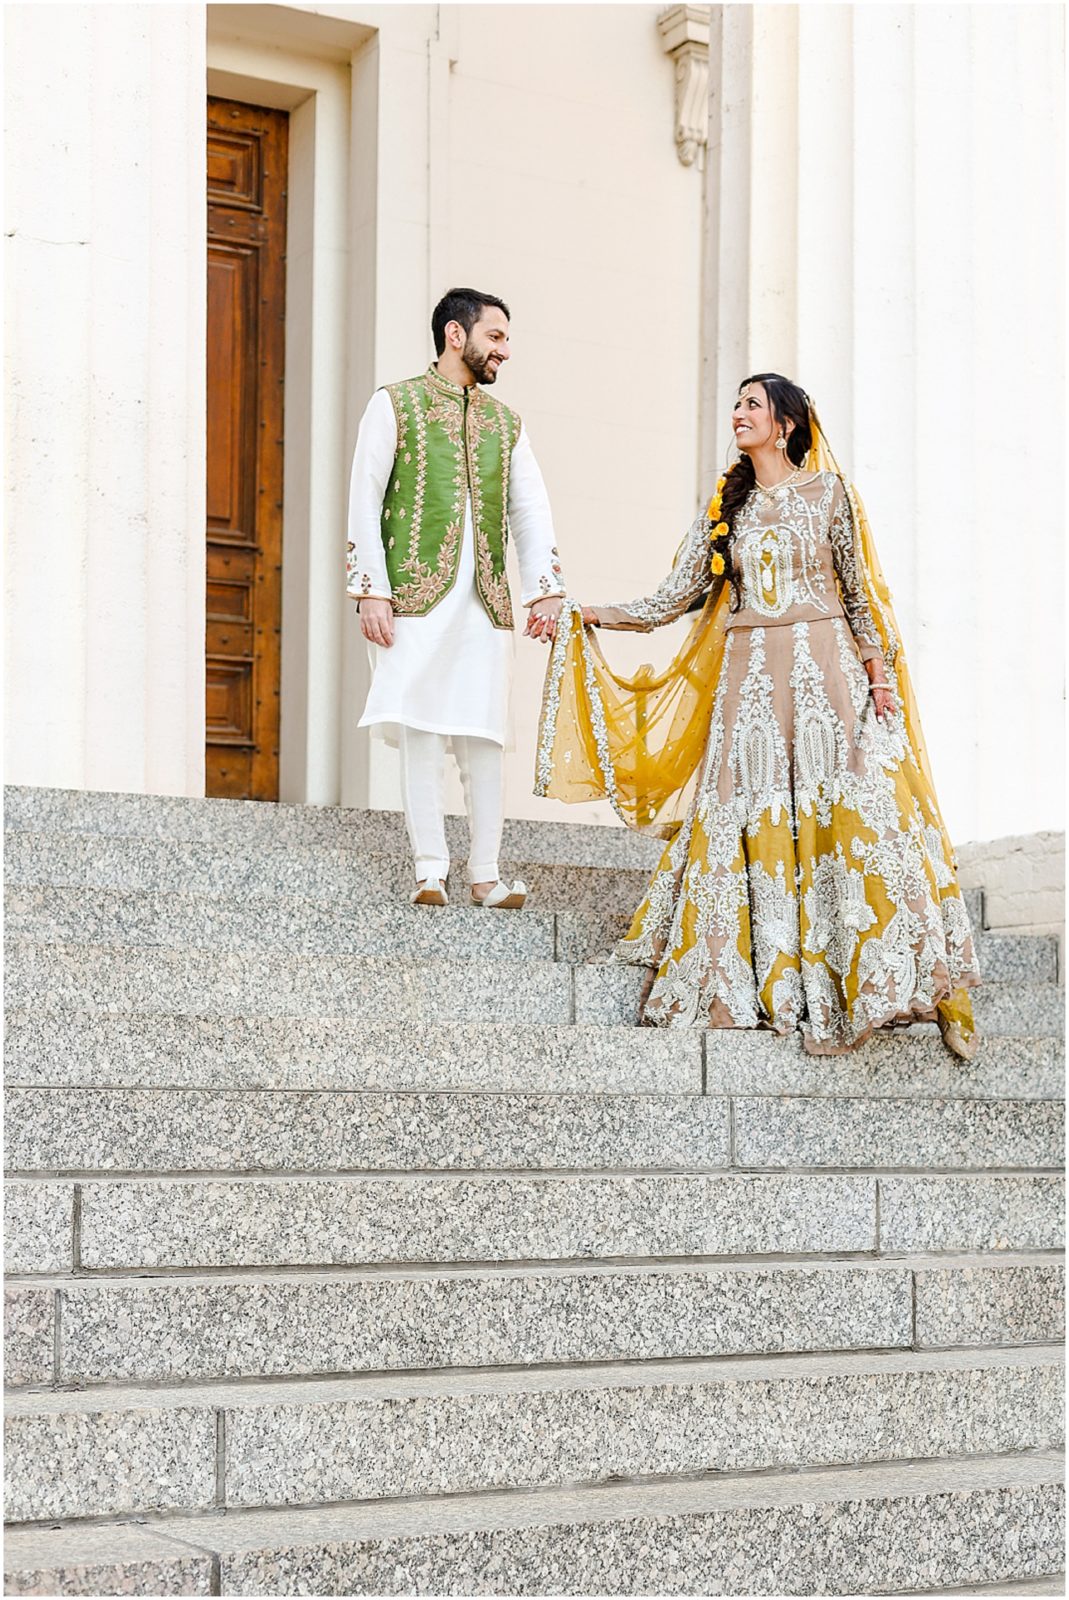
(809,881)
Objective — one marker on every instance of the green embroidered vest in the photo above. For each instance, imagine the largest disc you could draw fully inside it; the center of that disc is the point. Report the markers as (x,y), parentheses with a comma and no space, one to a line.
(451,442)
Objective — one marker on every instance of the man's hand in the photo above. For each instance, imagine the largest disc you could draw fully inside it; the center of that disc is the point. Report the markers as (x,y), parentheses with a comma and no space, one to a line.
(542,620)
(376,622)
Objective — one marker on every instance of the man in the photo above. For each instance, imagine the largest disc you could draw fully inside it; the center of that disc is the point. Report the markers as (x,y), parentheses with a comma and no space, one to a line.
(443,473)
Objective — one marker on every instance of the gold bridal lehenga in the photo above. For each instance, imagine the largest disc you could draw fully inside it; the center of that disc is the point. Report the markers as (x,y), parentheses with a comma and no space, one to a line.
(808,880)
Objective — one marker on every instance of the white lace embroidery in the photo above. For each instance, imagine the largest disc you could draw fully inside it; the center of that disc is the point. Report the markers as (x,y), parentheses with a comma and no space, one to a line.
(688,580)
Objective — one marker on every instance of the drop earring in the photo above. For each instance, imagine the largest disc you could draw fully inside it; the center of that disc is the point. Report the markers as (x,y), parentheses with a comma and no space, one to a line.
(781,443)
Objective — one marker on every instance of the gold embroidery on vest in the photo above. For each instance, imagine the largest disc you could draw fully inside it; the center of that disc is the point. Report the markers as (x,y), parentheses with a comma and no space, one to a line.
(428,585)
(484,419)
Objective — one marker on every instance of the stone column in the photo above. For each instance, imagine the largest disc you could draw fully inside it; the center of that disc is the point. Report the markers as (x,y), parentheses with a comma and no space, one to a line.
(883,222)
(105,389)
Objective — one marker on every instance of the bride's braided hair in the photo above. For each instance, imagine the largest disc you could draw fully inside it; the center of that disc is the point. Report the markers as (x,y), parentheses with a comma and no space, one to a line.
(788,403)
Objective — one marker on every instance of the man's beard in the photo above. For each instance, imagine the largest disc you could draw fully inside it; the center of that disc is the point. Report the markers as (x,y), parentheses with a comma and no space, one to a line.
(478,363)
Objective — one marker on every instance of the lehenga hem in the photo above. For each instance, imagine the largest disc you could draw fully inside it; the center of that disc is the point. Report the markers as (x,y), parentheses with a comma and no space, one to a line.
(955,1040)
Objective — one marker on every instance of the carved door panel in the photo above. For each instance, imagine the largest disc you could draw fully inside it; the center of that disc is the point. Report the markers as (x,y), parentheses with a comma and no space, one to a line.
(247,150)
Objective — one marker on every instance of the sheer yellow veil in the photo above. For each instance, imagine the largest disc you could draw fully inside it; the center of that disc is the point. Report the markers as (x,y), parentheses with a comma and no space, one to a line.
(638,741)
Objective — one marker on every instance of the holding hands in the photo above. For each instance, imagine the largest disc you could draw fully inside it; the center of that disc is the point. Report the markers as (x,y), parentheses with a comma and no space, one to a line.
(542,620)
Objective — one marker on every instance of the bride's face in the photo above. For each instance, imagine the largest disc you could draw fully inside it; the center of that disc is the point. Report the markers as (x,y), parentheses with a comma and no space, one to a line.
(752,419)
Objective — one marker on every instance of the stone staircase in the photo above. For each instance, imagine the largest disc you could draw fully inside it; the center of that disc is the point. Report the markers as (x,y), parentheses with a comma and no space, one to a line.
(355,1248)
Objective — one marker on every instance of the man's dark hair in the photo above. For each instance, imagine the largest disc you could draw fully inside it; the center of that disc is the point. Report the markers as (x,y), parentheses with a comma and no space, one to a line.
(464,306)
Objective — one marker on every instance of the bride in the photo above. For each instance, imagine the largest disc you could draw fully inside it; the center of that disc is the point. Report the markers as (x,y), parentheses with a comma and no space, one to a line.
(808,881)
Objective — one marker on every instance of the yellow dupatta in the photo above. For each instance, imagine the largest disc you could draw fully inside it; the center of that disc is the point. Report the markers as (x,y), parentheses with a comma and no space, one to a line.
(639,741)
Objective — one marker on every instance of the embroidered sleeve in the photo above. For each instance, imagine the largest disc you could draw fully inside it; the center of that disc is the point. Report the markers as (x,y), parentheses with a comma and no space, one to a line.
(376,449)
(847,570)
(531,526)
(687,582)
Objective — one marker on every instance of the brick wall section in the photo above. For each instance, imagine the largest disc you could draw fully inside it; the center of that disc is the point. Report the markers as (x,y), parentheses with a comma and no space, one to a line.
(1024,882)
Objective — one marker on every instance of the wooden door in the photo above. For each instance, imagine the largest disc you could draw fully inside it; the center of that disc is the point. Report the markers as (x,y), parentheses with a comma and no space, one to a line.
(247,149)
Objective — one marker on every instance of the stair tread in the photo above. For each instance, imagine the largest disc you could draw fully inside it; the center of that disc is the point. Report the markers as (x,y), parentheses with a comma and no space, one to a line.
(560,1379)
(538,1508)
(489,1271)
(121,815)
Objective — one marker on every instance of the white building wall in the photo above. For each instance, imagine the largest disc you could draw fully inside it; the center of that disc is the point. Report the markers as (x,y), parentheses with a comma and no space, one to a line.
(885,221)
(104,584)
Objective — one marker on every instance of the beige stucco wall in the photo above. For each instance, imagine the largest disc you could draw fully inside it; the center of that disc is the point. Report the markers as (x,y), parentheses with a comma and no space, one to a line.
(866,228)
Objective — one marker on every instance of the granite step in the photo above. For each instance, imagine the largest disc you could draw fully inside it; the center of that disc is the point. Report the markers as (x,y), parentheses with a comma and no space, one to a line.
(249,824)
(141,1224)
(890,1064)
(1052,1585)
(101,978)
(860,1530)
(584,936)
(177,1130)
(349,877)
(62,1047)
(609,993)
(376,927)
(57,1130)
(117,1452)
(96,978)
(134,918)
(277,1324)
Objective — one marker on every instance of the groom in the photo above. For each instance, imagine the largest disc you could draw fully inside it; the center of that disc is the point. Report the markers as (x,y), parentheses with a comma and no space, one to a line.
(442,475)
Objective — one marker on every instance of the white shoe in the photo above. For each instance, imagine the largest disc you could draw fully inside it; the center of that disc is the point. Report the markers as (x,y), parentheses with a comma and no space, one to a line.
(430,893)
(503,898)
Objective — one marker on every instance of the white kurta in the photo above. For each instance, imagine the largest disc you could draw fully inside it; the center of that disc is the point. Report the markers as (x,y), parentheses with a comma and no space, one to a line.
(451,670)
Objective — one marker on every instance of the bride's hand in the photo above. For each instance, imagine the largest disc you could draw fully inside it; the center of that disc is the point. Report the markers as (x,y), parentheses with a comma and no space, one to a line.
(590,616)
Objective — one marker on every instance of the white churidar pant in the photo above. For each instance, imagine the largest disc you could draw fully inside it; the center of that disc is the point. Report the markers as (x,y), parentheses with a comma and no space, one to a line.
(481,764)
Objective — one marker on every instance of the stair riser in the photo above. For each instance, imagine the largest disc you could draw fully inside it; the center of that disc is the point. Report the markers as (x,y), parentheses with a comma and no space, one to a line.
(55,1047)
(143,1564)
(308,1453)
(344,927)
(156,1332)
(172,1131)
(611,994)
(110,1463)
(353,1221)
(200,982)
(357,1221)
(243,824)
(320,1222)
(982,1213)
(43,1047)
(989,1305)
(868,1546)
(879,1541)
(89,1130)
(177,922)
(329,876)
(146,1332)
(1004,1069)
(776,1132)
(1004,957)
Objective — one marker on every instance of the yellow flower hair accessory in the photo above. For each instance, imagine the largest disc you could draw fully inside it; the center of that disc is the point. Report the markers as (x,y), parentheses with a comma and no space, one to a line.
(714,507)
(720,482)
(721,530)
(717,564)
